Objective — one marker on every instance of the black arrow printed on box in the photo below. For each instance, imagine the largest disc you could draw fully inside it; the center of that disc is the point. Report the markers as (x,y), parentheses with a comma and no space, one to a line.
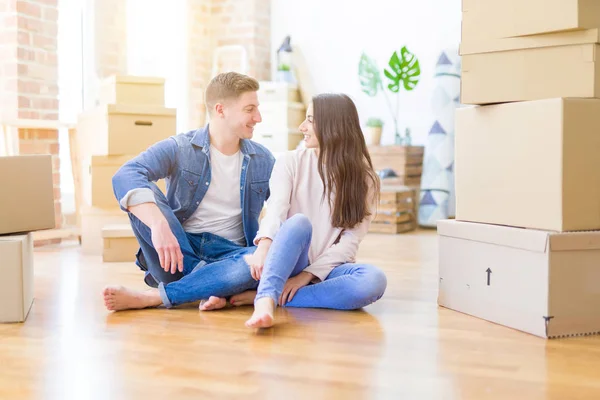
(489,272)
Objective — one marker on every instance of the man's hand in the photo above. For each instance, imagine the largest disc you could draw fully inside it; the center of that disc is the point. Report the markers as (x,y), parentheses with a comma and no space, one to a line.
(256,262)
(165,243)
(167,247)
(293,285)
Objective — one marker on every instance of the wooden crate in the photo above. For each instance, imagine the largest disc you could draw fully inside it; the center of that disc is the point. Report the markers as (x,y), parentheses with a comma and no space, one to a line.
(405,161)
(392,228)
(396,212)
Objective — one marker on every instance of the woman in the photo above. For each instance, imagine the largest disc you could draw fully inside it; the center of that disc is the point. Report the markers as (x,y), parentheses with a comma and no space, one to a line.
(322,202)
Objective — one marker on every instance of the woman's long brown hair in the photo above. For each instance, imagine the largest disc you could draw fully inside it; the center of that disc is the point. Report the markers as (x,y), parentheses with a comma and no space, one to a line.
(351,183)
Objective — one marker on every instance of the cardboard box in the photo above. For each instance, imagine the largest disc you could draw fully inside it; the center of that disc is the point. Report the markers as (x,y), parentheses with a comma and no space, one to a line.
(526,73)
(93,220)
(479,46)
(132,90)
(116,129)
(16,286)
(27,203)
(534,281)
(99,180)
(531,164)
(120,244)
(507,18)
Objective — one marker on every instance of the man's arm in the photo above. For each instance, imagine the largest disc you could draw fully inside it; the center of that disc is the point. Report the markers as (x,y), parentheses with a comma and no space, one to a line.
(165,243)
(131,185)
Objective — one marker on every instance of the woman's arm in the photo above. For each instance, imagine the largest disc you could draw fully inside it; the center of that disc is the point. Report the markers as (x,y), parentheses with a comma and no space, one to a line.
(345,249)
(342,252)
(278,204)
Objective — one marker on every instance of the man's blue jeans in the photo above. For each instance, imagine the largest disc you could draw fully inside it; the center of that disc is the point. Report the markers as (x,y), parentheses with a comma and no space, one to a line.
(212,265)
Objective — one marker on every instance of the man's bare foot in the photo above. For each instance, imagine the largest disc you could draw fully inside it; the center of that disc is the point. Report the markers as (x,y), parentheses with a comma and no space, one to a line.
(243,299)
(263,314)
(213,303)
(117,298)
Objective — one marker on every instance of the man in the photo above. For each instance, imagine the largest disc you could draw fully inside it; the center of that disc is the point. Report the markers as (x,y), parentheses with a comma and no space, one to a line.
(193,240)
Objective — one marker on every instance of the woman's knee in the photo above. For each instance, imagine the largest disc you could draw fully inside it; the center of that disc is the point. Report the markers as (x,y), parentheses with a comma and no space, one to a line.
(378,282)
(373,283)
(299,223)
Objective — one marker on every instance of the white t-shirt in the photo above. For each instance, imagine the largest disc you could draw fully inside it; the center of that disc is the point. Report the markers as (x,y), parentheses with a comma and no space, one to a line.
(220,211)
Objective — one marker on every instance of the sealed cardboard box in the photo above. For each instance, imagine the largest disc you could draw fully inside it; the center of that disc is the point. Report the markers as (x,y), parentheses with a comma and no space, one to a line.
(507,18)
(530,73)
(133,90)
(93,220)
(27,203)
(16,286)
(531,164)
(120,244)
(534,281)
(117,129)
(99,180)
(479,46)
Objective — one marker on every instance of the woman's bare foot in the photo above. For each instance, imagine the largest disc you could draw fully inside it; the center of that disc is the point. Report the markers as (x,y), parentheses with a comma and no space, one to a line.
(263,314)
(213,303)
(117,298)
(243,299)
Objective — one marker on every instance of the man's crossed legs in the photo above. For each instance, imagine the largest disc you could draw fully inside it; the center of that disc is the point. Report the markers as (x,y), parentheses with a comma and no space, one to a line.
(213,268)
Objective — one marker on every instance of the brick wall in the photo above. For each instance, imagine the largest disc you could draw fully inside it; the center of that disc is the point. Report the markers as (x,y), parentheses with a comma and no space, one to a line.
(216,23)
(29,76)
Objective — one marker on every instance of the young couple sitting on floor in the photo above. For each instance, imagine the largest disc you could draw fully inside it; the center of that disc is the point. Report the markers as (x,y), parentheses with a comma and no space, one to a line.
(202,240)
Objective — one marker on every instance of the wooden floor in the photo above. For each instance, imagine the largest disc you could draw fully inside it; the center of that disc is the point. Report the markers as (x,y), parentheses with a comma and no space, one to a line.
(402,347)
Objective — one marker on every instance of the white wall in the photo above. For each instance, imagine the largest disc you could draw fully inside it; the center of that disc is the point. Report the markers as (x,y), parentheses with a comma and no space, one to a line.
(333,33)
(160,51)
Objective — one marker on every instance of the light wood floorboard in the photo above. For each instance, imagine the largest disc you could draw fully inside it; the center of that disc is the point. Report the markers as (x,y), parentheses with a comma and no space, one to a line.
(402,347)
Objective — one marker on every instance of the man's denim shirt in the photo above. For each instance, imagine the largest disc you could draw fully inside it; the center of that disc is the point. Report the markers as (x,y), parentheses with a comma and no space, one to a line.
(184,162)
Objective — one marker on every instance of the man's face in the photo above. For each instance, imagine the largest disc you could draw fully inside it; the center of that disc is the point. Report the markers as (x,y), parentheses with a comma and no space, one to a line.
(242,114)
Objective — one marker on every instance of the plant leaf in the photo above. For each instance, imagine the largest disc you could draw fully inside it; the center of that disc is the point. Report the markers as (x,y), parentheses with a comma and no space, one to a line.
(404,69)
(369,76)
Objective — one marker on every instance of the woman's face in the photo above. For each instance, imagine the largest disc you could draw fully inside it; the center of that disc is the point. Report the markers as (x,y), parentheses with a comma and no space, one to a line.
(307,128)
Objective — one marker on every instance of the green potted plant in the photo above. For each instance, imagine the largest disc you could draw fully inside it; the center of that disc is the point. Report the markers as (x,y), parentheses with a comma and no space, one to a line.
(373,131)
(403,71)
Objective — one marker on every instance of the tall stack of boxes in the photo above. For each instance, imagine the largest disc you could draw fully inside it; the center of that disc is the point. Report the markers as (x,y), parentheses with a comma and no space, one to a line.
(131,116)
(27,205)
(282,113)
(524,250)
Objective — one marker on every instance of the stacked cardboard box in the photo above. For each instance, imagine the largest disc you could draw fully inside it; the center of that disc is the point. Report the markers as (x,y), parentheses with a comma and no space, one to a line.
(282,113)
(524,250)
(119,243)
(27,205)
(130,118)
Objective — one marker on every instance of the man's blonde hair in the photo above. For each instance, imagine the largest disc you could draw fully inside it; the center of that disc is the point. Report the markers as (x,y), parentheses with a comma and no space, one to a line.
(228,85)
